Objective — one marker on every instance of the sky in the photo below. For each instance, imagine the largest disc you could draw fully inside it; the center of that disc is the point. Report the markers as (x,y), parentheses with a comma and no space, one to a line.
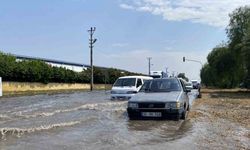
(127,31)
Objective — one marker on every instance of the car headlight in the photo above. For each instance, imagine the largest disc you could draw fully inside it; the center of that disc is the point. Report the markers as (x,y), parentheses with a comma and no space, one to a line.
(131,92)
(178,105)
(132,105)
(174,105)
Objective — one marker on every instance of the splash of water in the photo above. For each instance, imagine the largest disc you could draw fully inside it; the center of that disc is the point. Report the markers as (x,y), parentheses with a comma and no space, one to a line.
(20,131)
(96,106)
(3,117)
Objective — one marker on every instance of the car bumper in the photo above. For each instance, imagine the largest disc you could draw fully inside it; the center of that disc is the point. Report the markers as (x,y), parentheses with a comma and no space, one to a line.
(121,96)
(195,87)
(165,113)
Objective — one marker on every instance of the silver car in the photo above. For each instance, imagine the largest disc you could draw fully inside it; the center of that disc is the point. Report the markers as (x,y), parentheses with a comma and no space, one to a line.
(160,98)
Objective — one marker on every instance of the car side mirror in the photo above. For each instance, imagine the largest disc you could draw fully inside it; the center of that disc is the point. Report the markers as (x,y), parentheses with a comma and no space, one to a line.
(188,88)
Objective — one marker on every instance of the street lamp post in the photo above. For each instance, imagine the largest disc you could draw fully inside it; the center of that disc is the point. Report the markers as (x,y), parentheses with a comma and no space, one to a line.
(185,59)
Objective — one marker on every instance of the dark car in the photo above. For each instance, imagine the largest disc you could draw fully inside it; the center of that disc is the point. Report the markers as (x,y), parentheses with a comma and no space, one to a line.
(160,98)
(195,84)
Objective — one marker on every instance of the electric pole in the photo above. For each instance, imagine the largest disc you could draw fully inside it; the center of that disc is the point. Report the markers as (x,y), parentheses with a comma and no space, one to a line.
(91,45)
(149,64)
(167,71)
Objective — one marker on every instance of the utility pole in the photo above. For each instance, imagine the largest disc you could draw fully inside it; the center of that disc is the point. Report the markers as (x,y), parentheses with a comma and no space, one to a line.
(173,73)
(167,71)
(91,45)
(149,64)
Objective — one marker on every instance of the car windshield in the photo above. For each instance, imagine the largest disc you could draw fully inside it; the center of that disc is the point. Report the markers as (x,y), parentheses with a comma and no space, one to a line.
(125,82)
(161,85)
(194,82)
(156,76)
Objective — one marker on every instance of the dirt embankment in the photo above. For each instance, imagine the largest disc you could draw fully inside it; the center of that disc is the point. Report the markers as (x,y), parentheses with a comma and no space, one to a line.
(26,88)
(225,117)
(233,105)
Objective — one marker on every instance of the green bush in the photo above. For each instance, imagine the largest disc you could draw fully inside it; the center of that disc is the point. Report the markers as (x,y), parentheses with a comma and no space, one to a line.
(39,71)
(228,65)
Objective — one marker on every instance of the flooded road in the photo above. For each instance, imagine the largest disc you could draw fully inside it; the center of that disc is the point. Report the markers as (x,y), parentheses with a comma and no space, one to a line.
(87,120)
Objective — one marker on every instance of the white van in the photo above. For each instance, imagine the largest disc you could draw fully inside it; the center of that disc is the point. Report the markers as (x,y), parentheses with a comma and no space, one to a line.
(127,86)
(158,74)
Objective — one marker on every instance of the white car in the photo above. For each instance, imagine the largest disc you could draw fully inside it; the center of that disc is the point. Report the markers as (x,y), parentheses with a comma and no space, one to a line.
(126,87)
(189,85)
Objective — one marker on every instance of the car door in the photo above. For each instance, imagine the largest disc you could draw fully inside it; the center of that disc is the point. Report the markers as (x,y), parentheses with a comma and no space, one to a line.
(185,94)
(138,84)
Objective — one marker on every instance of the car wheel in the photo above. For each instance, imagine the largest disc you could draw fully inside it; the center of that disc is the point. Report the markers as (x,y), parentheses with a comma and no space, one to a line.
(177,118)
(131,118)
(188,108)
(183,114)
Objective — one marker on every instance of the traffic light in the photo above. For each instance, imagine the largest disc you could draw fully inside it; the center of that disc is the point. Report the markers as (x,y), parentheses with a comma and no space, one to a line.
(183,59)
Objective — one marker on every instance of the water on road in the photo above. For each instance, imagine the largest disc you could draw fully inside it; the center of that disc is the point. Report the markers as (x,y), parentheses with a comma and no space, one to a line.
(85,120)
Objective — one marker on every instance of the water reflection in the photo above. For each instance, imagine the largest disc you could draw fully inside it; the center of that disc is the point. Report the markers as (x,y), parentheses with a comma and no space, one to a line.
(164,130)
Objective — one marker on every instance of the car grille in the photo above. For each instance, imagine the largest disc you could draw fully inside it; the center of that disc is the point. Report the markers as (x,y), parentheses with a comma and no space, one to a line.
(151,105)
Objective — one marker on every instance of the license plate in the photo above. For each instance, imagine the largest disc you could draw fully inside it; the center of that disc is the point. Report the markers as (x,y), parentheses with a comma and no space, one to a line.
(151,114)
(121,97)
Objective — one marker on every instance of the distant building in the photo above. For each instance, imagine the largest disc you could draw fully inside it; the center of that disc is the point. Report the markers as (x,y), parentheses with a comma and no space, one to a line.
(55,63)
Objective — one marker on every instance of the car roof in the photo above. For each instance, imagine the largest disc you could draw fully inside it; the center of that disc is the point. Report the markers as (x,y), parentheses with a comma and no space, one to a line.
(165,78)
(194,80)
(143,77)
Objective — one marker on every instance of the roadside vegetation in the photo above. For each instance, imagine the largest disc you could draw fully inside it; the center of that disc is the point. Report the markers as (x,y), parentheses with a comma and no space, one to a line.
(39,71)
(228,64)
(182,75)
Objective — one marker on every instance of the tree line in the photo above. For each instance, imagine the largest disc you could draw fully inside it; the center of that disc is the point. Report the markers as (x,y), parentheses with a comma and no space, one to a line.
(183,76)
(38,71)
(228,64)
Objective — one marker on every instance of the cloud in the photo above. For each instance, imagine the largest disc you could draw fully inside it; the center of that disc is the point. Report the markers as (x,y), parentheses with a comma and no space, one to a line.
(119,44)
(125,6)
(168,48)
(136,61)
(209,12)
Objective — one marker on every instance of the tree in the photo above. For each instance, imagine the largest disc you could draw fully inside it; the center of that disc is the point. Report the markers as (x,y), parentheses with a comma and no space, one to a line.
(208,76)
(246,60)
(182,75)
(228,64)
(238,33)
(218,70)
(238,25)
(7,65)
(38,71)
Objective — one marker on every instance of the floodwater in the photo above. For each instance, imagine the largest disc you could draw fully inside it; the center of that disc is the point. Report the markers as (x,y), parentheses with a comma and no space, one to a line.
(85,120)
